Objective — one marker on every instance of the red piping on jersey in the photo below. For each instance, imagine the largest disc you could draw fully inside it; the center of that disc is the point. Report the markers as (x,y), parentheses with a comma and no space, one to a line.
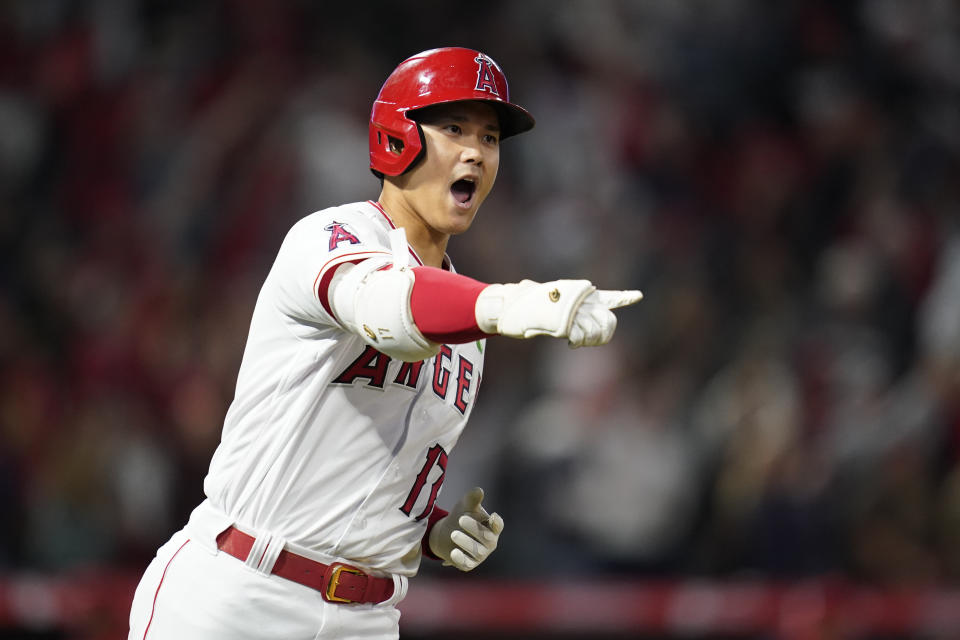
(444,305)
(393,226)
(153,607)
(383,213)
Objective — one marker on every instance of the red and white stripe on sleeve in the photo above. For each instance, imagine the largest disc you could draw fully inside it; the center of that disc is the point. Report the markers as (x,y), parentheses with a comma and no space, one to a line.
(321,284)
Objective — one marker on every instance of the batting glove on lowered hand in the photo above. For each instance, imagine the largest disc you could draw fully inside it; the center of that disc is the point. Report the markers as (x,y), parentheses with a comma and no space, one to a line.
(468,534)
(572,309)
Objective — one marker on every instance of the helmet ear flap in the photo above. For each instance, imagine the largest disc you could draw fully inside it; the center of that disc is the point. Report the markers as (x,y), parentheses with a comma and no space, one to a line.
(390,158)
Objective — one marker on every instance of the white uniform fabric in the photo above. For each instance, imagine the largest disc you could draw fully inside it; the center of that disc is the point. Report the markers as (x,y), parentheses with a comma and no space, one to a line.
(329,448)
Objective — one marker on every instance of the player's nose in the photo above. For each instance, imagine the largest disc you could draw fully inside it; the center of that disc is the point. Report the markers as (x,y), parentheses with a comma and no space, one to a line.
(471,152)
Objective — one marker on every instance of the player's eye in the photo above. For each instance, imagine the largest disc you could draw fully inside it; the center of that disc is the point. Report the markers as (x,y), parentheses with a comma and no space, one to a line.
(491,139)
(454,128)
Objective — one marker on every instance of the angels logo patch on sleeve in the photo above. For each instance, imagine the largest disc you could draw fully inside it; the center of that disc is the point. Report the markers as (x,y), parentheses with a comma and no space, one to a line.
(339,232)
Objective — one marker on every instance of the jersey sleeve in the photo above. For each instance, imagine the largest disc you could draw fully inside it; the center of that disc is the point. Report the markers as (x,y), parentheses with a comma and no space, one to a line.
(311,253)
(442,303)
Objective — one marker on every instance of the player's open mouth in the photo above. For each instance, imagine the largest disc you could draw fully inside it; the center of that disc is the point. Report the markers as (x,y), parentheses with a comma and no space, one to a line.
(463,190)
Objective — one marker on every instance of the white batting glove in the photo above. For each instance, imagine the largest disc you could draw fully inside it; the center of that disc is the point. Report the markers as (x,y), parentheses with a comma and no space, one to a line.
(468,534)
(572,309)
(594,322)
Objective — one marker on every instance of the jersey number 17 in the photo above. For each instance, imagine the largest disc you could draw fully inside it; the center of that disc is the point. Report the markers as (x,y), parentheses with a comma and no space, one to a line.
(436,457)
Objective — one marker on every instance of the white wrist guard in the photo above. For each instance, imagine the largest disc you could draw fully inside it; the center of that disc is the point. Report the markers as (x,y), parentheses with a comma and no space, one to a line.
(374,303)
(526,309)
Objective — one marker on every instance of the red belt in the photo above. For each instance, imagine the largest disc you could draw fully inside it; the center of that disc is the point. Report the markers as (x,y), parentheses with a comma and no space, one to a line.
(336,582)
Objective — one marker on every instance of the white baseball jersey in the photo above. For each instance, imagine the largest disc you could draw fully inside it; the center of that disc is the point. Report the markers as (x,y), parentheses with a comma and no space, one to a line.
(329,443)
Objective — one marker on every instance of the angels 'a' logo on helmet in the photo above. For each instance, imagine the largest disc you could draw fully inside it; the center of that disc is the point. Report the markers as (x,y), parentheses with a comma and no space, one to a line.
(485,77)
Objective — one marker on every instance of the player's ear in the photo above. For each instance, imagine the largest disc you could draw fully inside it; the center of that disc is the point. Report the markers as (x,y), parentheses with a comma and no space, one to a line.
(395,145)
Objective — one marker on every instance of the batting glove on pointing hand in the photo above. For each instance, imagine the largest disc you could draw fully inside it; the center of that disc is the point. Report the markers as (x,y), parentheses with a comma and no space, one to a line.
(468,534)
(572,309)
(594,322)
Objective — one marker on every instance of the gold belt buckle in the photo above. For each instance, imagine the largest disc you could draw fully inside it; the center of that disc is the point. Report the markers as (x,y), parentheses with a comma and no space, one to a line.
(334,581)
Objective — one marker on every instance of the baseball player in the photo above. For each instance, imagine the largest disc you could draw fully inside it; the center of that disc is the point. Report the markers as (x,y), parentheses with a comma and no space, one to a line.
(361,368)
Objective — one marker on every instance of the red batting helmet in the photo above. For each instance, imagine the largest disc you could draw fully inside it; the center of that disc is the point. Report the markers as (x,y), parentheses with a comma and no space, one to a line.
(433,77)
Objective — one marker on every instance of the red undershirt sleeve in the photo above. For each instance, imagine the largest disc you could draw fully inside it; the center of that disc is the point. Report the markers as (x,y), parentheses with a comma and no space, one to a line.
(443,305)
(435,516)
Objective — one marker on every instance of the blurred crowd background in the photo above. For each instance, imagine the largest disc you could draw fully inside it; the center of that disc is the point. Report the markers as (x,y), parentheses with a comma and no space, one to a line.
(781,179)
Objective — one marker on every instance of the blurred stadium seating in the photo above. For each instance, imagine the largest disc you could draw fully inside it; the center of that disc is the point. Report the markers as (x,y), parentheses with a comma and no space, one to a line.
(769,448)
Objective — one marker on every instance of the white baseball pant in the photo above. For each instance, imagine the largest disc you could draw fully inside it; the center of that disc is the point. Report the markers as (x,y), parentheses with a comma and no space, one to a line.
(193,591)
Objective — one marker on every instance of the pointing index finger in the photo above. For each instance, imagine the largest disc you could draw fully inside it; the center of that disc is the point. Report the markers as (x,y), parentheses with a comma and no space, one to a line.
(617,299)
